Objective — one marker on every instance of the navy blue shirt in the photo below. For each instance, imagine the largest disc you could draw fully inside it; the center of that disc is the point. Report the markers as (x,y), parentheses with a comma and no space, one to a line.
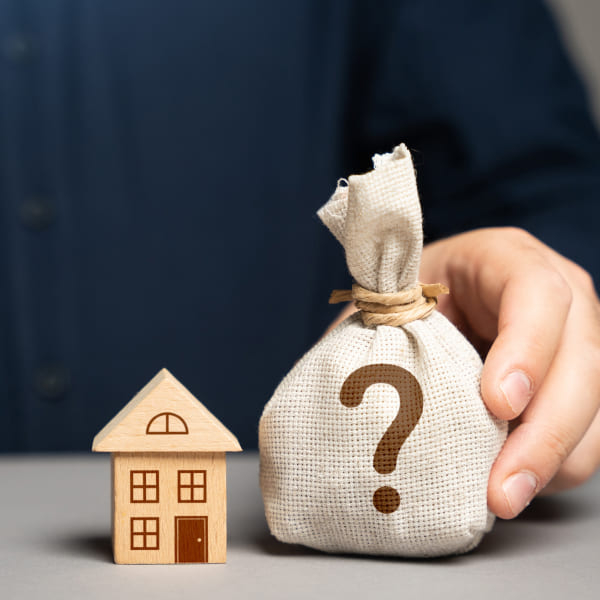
(161,164)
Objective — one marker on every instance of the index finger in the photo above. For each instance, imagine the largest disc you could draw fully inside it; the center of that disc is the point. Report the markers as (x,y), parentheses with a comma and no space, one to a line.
(534,302)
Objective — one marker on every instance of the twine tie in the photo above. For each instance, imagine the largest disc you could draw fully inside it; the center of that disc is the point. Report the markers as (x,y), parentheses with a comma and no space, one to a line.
(392,309)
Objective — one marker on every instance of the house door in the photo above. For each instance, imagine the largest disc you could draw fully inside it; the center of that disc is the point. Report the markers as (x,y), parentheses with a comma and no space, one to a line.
(191,545)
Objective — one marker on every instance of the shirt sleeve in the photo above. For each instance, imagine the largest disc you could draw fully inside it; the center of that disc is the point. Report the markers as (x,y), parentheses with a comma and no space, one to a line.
(496,116)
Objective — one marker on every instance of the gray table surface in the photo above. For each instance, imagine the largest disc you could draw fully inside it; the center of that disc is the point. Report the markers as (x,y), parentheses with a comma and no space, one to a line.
(55,543)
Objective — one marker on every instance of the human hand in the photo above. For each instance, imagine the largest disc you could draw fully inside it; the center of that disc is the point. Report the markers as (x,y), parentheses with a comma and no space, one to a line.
(537,316)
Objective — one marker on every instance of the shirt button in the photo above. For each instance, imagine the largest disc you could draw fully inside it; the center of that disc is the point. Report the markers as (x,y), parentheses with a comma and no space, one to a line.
(17,47)
(37,213)
(51,381)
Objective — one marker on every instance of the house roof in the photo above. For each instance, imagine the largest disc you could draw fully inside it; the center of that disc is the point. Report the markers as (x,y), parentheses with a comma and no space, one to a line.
(165,417)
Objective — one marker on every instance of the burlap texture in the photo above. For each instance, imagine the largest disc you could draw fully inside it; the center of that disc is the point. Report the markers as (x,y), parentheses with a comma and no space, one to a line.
(317,455)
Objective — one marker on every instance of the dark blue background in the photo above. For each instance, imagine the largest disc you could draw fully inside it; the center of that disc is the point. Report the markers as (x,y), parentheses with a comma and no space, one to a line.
(161,164)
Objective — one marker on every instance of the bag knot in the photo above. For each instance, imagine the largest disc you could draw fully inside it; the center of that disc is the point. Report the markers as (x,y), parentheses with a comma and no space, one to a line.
(392,309)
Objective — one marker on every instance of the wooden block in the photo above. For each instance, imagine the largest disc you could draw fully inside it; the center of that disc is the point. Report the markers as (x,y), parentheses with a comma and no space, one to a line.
(169,507)
(165,417)
(169,498)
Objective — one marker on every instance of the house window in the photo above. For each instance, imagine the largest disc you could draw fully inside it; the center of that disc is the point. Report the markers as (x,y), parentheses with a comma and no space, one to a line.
(144,533)
(166,423)
(144,486)
(191,486)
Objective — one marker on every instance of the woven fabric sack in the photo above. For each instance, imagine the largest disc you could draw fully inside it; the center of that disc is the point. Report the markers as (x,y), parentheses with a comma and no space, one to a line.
(378,441)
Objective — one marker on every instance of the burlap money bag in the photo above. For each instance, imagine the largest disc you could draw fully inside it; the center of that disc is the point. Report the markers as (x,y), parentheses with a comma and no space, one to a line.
(378,440)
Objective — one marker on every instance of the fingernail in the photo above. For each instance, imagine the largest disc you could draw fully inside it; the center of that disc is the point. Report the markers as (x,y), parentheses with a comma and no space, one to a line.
(517,388)
(519,490)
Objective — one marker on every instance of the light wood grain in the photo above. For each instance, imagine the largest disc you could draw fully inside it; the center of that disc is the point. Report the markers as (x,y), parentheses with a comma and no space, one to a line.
(164,429)
(126,432)
(168,507)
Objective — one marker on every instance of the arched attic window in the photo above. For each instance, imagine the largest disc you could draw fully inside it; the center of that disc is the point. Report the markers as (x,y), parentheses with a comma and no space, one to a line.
(166,422)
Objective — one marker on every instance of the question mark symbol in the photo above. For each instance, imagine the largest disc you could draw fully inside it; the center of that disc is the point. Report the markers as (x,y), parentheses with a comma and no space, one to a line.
(387,499)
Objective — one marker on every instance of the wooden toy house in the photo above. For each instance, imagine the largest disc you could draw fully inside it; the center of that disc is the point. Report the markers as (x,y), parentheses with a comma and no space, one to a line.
(168,477)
